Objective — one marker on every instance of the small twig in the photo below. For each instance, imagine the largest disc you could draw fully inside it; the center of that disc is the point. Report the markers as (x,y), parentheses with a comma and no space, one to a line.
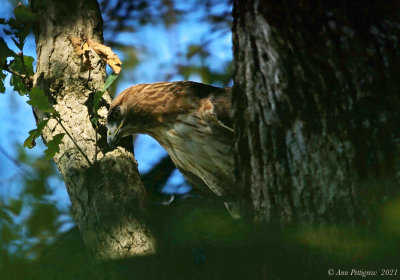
(15,162)
(88,79)
(95,146)
(26,79)
(23,62)
(6,68)
(73,140)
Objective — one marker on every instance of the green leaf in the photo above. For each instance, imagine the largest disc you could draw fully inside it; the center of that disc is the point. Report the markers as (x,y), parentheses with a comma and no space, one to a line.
(5,51)
(94,120)
(29,64)
(17,43)
(24,15)
(34,133)
(110,80)
(96,100)
(19,67)
(53,146)
(5,216)
(193,50)
(2,77)
(42,218)
(38,99)
(8,32)
(20,26)
(24,20)
(185,71)
(15,206)
(18,85)
(97,97)
(23,33)
(7,234)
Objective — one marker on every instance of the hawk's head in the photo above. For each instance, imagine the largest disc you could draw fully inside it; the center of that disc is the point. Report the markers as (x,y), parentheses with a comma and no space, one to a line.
(143,108)
(131,112)
(116,119)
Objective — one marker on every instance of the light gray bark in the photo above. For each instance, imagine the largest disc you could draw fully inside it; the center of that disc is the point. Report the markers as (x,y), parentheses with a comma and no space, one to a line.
(315,101)
(108,197)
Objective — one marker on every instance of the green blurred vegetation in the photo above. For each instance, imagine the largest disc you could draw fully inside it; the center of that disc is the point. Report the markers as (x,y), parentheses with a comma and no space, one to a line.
(30,222)
(194,61)
(198,240)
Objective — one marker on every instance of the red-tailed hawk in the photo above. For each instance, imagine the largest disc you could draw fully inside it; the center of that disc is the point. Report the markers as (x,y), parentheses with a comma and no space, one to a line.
(190,120)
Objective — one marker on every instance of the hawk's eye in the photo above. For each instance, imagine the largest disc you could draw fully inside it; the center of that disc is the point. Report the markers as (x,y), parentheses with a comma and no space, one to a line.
(116,114)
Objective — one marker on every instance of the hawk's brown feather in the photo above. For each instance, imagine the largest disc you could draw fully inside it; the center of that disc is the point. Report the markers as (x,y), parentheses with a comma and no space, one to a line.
(190,120)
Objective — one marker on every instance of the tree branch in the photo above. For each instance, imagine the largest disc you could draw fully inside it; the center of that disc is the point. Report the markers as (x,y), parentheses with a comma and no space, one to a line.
(6,68)
(21,55)
(25,78)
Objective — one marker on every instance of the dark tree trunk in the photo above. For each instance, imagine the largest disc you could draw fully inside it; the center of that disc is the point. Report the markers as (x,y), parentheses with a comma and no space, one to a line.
(108,197)
(316,106)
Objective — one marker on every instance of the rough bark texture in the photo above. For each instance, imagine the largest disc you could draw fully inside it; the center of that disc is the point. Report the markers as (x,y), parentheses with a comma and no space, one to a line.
(107,197)
(316,107)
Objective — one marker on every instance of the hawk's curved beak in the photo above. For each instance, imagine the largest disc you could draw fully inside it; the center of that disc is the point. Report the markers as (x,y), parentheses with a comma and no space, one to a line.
(112,140)
(112,134)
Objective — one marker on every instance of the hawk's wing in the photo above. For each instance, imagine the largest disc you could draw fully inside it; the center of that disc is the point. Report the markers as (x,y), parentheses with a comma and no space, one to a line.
(208,124)
(196,182)
(220,98)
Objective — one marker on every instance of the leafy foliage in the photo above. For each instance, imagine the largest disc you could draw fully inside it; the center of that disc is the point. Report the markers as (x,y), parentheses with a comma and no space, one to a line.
(2,77)
(53,146)
(21,70)
(196,60)
(29,221)
(15,206)
(38,99)
(5,51)
(98,95)
(23,67)
(40,219)
(18,85)
(33,134)
(18,28)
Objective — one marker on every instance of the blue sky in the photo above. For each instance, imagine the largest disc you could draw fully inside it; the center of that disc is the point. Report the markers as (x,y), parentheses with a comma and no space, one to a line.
(163,47)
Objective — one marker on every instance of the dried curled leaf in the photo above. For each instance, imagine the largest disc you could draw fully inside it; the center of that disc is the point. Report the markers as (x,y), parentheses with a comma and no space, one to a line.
(77,45)
(83,49)
(86,63)
(107,55)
